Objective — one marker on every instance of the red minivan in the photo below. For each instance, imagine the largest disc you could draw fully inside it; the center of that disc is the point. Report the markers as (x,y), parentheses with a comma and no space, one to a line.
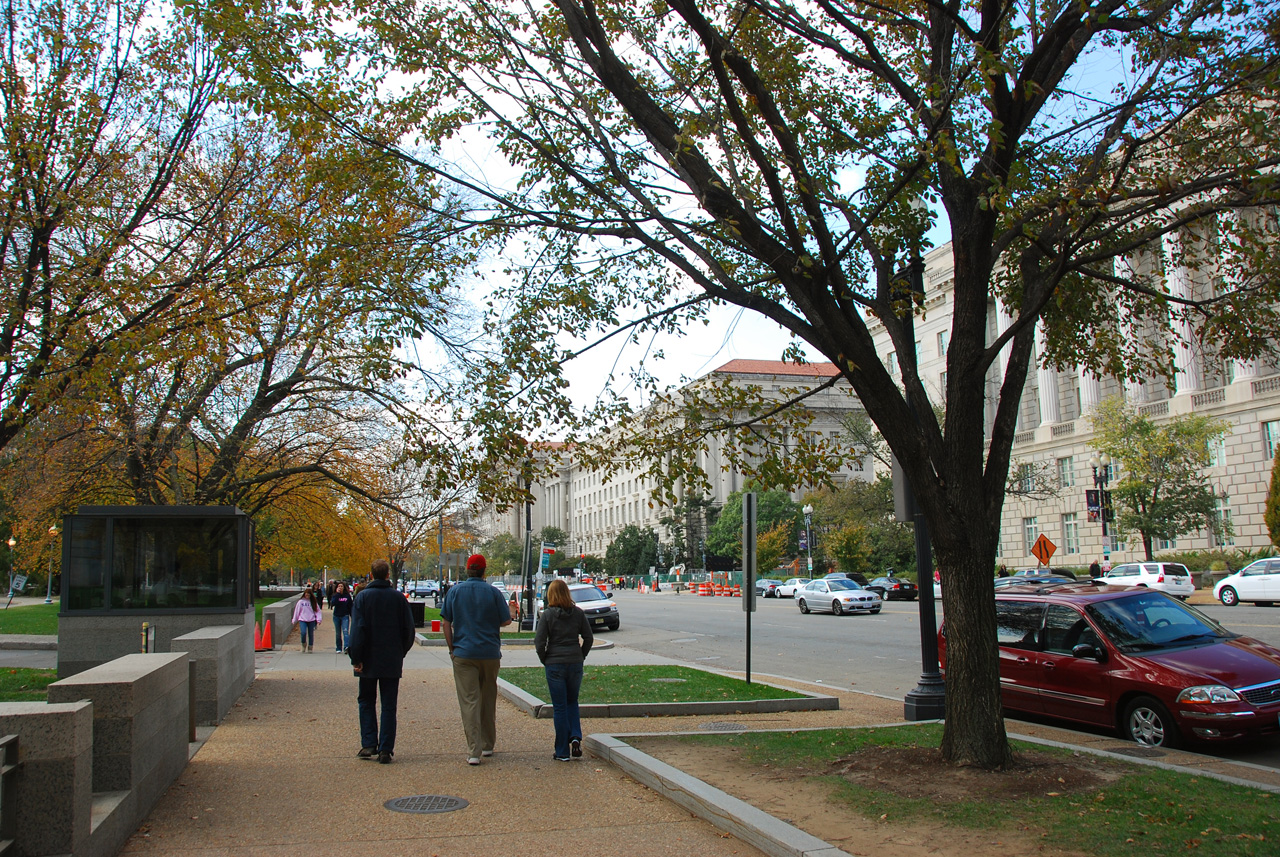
(1135,660)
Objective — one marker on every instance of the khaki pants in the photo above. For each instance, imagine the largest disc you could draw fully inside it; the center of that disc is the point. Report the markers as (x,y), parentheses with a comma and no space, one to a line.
(476,681)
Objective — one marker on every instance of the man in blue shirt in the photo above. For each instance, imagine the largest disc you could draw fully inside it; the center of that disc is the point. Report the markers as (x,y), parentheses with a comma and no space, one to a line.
(472,619)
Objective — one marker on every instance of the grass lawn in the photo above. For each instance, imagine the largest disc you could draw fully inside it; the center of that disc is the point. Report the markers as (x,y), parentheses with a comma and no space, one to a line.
(24,685)
(31,619)
(1145,811)
(611,685)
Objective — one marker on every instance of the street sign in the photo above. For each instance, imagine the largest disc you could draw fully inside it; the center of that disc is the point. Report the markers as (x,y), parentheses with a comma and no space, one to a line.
(548,550)
(1043,549)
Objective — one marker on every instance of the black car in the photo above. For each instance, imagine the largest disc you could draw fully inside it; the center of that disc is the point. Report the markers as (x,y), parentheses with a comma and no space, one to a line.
(860,579)
(894,588)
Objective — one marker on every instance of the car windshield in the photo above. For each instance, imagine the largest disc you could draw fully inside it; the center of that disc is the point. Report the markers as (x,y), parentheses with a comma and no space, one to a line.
(837,583)
(586,593)
(1152,620)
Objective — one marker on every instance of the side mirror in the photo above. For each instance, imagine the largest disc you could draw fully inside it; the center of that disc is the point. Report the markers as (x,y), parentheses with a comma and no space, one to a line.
(1085,650)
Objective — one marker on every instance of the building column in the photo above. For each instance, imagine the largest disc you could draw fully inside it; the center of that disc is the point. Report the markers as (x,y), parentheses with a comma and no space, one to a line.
(1047,378)
(1135,391)
(1189,375)
(1090,391)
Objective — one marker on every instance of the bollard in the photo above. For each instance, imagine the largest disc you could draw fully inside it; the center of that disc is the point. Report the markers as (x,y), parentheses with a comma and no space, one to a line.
(435,626)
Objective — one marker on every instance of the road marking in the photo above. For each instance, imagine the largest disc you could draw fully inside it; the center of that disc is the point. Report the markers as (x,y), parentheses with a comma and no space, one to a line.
(686,640)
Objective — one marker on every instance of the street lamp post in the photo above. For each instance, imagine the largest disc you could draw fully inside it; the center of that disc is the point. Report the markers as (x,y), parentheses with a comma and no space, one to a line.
(48,591)
(1101,465)
(808,533)
(13,543)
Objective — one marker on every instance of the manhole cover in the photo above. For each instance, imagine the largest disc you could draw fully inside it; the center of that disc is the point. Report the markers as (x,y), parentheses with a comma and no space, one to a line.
(425,803)
(669,680)
(1144,752)
(723,726)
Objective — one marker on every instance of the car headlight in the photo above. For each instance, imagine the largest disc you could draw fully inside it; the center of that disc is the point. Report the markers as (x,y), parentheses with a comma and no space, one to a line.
(1207,693)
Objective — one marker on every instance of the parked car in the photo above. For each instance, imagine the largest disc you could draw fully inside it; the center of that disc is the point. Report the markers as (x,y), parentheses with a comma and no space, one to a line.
(1044,571)
(789,586)
(1258,582)
(767,587)
(1134,660)
(1170,577)
(600,608)
(894,589)
(836,595)
(1040,580)
(423,588)
(860,579)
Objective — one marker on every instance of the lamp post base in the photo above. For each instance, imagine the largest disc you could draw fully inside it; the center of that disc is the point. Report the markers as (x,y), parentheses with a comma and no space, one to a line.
(928,701)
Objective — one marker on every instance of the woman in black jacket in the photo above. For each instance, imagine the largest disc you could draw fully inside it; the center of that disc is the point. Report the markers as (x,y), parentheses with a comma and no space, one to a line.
(562,641)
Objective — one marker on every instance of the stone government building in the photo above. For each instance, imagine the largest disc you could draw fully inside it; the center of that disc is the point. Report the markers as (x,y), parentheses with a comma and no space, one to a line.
(1054,436)
(593,512)
(1054,432)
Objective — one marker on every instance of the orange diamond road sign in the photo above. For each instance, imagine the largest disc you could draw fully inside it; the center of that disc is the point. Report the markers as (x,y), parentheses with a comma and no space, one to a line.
(1043,549)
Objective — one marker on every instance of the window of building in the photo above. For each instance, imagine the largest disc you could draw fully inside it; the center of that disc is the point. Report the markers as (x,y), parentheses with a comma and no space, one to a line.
(1070,533)
(1026,478)
(942,382)
(1270,438)
(1166,544)
(1030,531)
(1067,472)
(1218,452)
(1222,508)
(944,338)
(893,363)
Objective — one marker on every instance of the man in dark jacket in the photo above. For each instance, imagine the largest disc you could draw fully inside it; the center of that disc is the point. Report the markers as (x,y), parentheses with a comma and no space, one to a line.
(381,635)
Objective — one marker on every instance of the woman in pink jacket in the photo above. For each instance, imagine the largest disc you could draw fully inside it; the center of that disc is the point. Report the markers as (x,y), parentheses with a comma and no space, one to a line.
(307,616)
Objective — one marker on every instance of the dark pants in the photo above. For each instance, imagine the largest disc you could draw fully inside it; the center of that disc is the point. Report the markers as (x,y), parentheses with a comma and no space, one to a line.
(564,681)
(370,689)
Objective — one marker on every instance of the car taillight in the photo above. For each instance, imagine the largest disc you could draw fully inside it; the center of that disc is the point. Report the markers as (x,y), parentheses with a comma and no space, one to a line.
(1160,578)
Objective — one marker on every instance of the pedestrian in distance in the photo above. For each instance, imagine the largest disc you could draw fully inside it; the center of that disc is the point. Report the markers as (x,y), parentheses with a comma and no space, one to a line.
(381,635)
(308,616)
(562,641)
(1095,570)
(341,602)
(472,618)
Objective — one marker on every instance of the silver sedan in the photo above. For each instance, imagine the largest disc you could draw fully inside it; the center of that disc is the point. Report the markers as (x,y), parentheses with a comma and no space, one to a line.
(836,596)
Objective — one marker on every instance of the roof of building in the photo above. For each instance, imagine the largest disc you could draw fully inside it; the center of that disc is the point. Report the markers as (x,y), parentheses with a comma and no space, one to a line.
(779,367)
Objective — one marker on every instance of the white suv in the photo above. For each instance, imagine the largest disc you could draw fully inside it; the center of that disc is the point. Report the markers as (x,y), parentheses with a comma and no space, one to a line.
(1258,582)
(1168,577)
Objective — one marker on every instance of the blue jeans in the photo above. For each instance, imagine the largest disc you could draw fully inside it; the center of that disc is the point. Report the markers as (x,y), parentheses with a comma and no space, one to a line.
(370,689)
(341,632)
(308,632)
(564,681)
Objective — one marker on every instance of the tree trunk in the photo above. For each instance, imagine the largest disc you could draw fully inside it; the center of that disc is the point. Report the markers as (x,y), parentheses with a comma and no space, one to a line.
(974,733)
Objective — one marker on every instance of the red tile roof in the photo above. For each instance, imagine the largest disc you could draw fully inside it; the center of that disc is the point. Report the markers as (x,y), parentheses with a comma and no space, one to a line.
(779,367)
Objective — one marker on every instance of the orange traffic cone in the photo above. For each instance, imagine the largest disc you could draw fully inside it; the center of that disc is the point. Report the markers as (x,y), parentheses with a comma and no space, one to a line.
(257,638)
(266,637)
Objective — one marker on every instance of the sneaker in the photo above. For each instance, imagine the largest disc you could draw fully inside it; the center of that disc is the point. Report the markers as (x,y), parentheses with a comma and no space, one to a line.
(473,761)
(366,753)
(486,752)
(384,758)
(575,748)
(562,758)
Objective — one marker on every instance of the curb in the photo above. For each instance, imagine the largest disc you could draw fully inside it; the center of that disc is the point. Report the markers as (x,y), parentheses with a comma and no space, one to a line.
(541,709)
(722,810)
(29,643)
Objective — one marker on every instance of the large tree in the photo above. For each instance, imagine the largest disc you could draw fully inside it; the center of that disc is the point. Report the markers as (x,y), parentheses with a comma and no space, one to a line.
(790,159)
(1160,491)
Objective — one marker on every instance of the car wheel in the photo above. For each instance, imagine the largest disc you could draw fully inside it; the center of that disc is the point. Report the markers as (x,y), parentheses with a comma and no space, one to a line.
(804,608)
(875,610)
(836,608)
(1148,722)
(615,625)
(1228,596)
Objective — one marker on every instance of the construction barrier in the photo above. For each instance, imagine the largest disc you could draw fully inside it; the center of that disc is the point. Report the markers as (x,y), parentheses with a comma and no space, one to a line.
(737,591)
(262,638)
